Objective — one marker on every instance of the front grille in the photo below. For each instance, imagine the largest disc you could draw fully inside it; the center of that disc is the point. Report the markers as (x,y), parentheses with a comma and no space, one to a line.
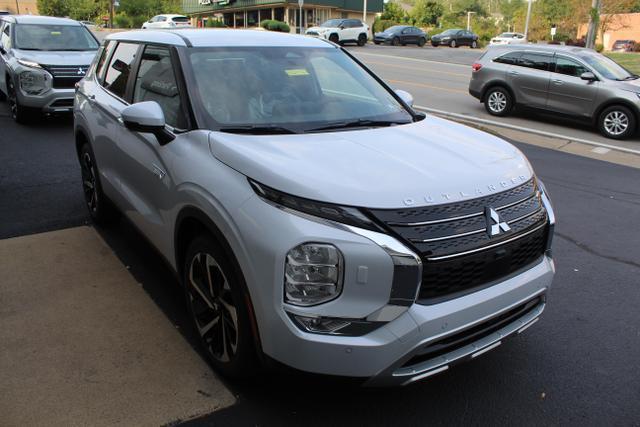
(458,253)
(312,33)
(66,76)
(65,102)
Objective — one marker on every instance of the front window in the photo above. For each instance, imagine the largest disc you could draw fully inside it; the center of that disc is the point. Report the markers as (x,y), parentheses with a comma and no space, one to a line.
(332,23)
(299,89)
(54,37)
(608,68)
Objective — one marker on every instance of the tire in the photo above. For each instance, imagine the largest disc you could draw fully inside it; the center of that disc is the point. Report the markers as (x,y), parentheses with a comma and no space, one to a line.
(395,41)
(19,113)
(474,44)
(422,41)
(617,122)
(498,101)
(375,42)
(362,39)
(434,44)
(215,295)
(101,209)
(453,43)
(334,38)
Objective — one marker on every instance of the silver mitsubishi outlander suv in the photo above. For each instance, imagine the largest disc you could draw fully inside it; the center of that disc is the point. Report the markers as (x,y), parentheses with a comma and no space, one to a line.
(312,216)
(41,60)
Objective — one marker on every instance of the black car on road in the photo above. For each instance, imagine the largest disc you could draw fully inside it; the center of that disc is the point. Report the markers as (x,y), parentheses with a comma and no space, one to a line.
(455,38)
(401,35)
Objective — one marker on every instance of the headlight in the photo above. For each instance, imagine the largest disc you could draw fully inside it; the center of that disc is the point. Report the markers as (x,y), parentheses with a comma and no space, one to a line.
(313,274)
(446,38)
(29,63)
(342,214)
(33,82)
(552,216)
(638,93)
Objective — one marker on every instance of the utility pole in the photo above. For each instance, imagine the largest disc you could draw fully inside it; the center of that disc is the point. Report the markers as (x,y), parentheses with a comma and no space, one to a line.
(17,8)
(111,14)
(364,12)
(594,19)
(526,23)
(469,13)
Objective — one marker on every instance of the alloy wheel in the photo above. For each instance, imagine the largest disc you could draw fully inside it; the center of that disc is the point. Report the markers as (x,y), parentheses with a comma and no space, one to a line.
(12,99)
(497,102)
(616,123)
(214,311)
(89,182)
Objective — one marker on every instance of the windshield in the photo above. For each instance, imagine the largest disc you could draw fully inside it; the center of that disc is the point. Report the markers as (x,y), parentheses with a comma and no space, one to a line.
(332,23)
(54,37)
(393,29)
(449,32)
(507,35)
(289,87)
(607,67)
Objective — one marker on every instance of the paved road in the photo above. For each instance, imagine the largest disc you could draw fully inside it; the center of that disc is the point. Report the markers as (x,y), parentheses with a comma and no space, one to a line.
(439,78)
(577,366)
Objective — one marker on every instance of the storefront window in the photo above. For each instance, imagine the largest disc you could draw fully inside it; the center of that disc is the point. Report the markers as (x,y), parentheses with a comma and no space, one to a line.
(239,19)
(278,14)
(252,18)
(228,19)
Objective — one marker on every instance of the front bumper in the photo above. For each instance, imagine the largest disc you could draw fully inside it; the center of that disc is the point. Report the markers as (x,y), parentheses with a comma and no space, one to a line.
(386,355)
(52,101)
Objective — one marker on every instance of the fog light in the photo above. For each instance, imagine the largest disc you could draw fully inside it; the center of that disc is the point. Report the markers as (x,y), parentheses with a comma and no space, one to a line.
(321,325)
(313,274)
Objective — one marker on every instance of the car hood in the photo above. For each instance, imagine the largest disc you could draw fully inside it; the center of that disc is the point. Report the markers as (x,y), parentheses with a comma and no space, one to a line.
(630,85)
(431,161)
(56,57)
(322,29)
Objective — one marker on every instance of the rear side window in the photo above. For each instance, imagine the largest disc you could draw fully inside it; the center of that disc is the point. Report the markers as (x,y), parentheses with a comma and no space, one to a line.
(156,81)
(535,60)
(119,68)
(569,67)
(510,58)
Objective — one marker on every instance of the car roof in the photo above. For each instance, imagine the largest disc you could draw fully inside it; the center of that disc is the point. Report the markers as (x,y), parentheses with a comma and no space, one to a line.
(39,20)
(550,48)
(220,38)
(171,15)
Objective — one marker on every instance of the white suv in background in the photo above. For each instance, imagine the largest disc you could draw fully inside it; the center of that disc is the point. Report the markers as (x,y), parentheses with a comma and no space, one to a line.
(342,31)
(167,21)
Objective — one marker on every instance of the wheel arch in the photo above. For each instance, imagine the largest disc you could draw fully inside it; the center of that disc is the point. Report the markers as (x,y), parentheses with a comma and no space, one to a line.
(497,83)
(81,138)
(191,222)
(617,101)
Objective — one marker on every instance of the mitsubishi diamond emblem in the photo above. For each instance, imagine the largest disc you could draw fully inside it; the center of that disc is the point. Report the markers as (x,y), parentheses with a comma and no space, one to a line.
(80,71)
(495,225)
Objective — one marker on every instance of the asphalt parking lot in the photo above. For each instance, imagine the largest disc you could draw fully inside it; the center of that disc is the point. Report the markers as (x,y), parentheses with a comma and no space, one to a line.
(577,366)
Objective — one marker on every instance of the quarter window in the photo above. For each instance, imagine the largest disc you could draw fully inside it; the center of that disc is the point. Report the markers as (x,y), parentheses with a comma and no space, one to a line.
(119,68)
(106,53)
(535,60)
(156,81)
(569,67)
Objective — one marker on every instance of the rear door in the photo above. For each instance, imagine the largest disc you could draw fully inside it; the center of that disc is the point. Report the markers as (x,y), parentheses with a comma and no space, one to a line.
(568,93)
(529,78)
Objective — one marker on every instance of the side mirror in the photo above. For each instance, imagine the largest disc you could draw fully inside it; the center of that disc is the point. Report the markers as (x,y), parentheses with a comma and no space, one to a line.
(405,96)
(341,27)
(588,76)
(147,117)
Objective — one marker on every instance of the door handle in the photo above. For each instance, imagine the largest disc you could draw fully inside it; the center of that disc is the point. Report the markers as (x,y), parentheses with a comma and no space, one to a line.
(558,82)
(513,73)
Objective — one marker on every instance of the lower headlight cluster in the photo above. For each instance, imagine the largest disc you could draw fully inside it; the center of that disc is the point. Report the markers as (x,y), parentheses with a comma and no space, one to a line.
(313,274)
(34,82)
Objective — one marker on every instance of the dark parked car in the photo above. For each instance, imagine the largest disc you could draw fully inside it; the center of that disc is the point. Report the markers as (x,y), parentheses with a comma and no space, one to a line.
(401,35)
(455,38)
(623,46)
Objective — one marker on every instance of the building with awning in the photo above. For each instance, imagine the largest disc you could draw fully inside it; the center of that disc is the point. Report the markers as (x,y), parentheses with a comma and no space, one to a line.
(249,13)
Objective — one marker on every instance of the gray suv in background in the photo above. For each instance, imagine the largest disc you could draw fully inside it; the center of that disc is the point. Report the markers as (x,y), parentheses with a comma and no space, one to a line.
(41,60)
(570,81)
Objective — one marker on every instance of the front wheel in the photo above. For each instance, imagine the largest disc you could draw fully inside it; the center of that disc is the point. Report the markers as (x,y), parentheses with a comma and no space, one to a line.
(362,39)
(422,42)
(218,308)
(617,122)
(474,44)
(333,38)
(19,113)
(453,43)
(498,101)
(395,41)
(100,208)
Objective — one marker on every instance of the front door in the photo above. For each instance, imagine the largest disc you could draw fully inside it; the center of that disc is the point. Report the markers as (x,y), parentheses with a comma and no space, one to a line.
(568,93)
(5,44)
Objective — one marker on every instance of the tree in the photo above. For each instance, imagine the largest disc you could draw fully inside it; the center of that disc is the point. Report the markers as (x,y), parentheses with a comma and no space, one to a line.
(84,9)
(461,7)
(393,12)
(53,7)
(426,12)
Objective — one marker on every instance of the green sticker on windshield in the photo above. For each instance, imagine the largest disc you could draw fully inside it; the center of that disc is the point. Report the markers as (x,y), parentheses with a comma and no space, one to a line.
(55,33)
(297,72)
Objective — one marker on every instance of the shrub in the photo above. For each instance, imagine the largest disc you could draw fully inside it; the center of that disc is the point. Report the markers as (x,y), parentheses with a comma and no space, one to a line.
(599,47)
(215,23)
(380,25)
(636,47)
(137,21)
(273,25)
(122,21)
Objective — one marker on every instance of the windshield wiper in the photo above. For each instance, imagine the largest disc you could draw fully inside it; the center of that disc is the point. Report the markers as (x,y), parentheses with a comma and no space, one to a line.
(257,129)
(632,77)
(357,124)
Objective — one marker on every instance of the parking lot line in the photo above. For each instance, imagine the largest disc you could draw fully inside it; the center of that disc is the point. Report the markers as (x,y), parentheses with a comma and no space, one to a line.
(84,344)
(444,89)
(413,59)
(520,128)
(432,70)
